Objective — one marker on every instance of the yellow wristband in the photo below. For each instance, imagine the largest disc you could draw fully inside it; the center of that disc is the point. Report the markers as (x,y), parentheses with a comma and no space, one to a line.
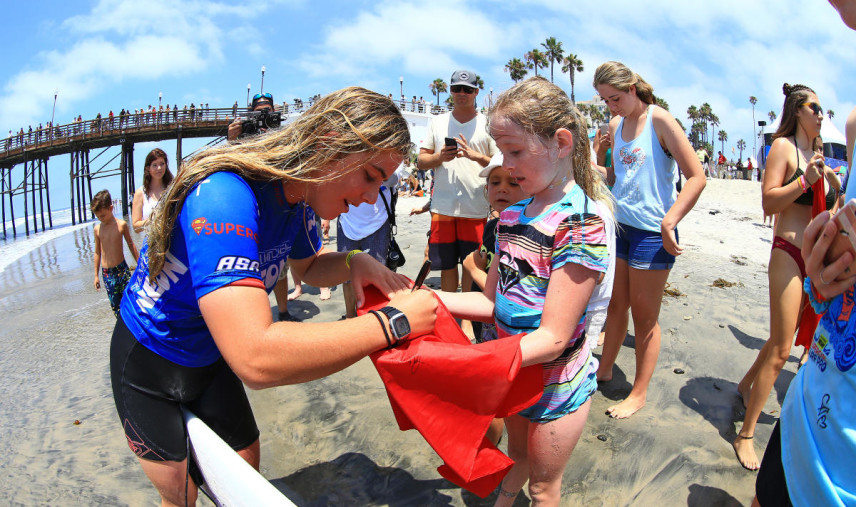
(349,256)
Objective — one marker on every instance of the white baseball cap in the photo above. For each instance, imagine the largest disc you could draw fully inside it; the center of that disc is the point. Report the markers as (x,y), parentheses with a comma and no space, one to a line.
(495,161)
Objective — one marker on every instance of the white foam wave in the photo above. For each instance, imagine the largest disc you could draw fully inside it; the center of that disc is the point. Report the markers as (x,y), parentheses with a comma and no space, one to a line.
(17,247)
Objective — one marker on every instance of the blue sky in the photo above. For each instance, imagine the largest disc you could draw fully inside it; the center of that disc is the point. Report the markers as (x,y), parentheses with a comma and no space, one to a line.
(114,54)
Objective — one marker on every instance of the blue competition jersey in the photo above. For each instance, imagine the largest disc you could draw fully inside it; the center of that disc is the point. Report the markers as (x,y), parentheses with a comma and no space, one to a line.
(229,229)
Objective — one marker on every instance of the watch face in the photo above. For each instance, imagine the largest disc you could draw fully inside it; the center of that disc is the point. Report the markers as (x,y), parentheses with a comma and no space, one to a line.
(401,326)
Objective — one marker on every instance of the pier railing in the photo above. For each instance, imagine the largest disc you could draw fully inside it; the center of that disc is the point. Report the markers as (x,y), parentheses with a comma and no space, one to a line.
(154,121)
(110,126)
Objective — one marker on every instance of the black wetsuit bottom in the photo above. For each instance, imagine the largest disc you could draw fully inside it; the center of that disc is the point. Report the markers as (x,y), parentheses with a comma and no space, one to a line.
(150,392)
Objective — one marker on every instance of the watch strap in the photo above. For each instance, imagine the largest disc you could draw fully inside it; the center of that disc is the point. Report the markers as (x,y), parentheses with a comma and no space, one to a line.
(382,326)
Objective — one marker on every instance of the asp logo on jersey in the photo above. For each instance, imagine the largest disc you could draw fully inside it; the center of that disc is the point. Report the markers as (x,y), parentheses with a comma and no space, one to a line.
(202,226)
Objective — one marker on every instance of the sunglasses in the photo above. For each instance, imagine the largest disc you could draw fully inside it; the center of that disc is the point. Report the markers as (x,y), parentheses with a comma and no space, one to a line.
(262,96)
(463,89)
(815,107)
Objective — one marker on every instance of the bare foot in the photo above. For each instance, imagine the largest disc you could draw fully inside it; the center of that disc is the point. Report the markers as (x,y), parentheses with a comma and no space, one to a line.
(325,293)
(626,408)
(296,293)
(744,394)
(600,339)
(745,450)
(604,376)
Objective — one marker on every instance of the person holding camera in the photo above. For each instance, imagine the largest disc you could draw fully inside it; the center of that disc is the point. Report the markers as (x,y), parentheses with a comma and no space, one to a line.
(457,146)
(255,124)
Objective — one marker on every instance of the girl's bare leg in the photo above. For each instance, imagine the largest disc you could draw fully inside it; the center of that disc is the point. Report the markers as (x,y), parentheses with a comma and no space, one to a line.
(785,299)
(646,294)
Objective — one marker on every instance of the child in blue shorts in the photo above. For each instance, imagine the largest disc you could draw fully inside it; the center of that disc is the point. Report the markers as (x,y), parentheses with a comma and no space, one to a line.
(109,256)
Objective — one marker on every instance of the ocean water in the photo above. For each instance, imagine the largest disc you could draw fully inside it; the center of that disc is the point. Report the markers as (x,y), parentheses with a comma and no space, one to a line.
(12,248)
(60,436)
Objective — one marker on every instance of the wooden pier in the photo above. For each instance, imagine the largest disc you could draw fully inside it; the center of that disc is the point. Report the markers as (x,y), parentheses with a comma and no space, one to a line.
(33,150)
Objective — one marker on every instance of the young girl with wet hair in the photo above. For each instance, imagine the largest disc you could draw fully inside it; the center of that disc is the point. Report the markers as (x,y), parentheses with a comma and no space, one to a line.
(550,254)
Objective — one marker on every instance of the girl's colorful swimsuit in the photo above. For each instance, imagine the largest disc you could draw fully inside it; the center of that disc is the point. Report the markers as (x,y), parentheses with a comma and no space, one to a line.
(528,250)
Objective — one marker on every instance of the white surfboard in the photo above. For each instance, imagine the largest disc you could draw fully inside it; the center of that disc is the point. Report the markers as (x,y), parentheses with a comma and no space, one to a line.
(228,478)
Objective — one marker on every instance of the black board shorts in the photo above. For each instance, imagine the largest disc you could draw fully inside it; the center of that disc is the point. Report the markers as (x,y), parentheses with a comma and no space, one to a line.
(150,391)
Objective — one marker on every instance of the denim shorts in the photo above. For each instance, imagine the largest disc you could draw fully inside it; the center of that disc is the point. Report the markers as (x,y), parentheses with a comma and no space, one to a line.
(642,249)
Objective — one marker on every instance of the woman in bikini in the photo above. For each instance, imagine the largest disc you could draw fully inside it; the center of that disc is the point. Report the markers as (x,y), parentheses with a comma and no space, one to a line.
(794,164)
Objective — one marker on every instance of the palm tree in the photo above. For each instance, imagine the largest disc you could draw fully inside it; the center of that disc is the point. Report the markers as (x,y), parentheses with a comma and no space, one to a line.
(741,145)
(705,113)
(570,64)
(714,122)
(554,53)
(535,59)
(480,84)
(437,87)
(753,100)
(693,115)
(830,113)
(516,69)
(723,136)
(662,103)
(772,116)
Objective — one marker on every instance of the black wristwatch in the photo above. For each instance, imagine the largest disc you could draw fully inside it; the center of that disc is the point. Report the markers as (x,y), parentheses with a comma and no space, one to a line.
(397,323)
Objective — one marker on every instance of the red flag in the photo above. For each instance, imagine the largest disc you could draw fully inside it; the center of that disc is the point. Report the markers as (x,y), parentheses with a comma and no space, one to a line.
(809,320)
(450,390)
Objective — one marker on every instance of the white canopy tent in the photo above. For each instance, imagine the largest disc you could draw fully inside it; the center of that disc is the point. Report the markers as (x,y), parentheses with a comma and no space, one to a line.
(828,132)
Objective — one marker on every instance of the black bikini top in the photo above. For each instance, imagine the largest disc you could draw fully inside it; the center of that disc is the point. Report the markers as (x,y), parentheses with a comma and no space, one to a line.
(807,197)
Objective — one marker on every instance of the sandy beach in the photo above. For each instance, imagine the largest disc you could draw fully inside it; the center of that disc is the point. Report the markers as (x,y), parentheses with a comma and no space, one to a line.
(335,442)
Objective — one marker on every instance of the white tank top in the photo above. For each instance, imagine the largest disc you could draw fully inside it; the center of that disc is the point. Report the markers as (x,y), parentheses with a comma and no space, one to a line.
(149,204)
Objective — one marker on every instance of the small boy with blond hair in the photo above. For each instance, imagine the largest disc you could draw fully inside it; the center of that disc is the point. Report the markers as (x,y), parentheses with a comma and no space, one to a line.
(109,255)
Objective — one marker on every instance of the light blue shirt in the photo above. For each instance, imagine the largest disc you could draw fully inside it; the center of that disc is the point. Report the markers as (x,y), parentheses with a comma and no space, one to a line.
(818,422)
(644,178)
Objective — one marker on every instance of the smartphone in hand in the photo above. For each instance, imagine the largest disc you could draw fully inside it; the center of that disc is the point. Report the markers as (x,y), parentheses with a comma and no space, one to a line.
(451,142)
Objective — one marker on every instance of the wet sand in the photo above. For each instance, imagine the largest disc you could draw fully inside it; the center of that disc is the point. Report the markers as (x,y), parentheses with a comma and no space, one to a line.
(335,442)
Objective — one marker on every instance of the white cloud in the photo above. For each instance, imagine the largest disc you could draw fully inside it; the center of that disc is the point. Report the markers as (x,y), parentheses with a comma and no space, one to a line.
(424,37)
(118,41)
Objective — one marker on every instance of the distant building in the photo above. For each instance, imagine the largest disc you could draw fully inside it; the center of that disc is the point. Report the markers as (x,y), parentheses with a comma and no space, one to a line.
(595,111)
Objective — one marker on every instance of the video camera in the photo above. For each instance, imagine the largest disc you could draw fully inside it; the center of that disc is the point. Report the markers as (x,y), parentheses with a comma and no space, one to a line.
(259,121)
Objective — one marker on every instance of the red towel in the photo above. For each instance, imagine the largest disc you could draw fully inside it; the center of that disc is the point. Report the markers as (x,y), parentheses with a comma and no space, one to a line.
(450,390)
(809,320)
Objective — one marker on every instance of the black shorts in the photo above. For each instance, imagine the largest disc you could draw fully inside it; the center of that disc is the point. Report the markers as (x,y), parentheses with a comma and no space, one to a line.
(149,392)
(770,486)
